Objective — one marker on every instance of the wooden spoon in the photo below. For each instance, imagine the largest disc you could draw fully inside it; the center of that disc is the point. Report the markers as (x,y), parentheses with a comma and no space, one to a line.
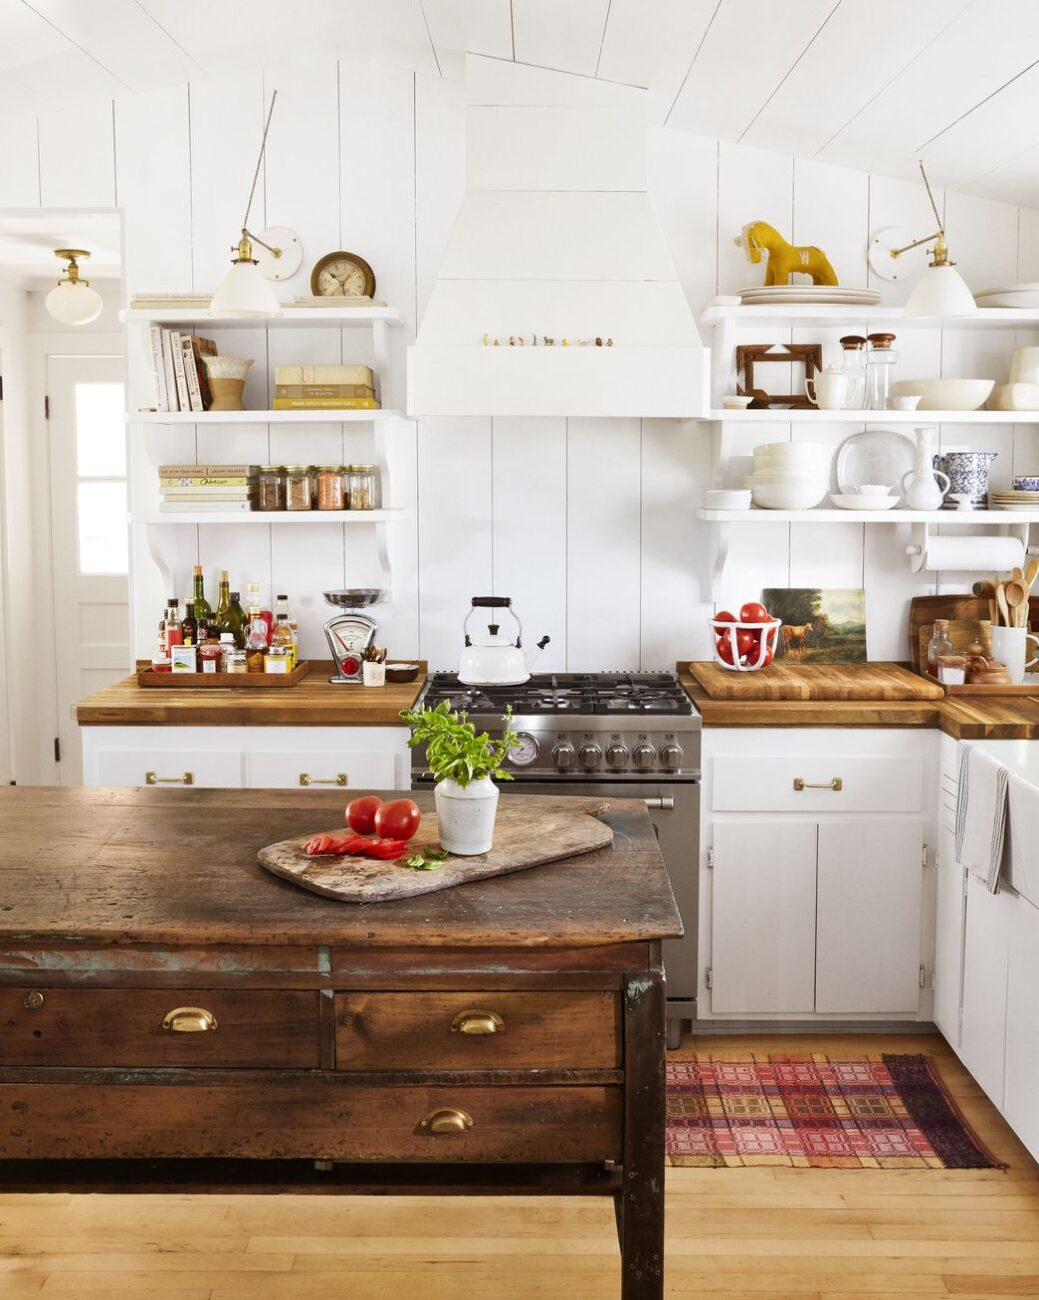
(1016,595)
(1001,603)
(1032,571)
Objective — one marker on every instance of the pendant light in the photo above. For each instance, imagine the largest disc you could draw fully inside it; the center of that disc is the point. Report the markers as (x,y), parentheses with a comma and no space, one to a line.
(940,290)
(245,290)
(72,301)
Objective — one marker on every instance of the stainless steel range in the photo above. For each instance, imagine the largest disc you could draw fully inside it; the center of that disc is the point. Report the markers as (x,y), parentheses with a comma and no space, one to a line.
(631,735)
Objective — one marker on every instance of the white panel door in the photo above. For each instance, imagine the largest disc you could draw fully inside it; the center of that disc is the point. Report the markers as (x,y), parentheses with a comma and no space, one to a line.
(985,962)
(948,930)
(89,536)
(763,918)
(1022,1055)
(868,917)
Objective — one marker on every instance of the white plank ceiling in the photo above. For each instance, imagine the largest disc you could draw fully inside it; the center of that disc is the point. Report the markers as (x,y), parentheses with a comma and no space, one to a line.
(870,85)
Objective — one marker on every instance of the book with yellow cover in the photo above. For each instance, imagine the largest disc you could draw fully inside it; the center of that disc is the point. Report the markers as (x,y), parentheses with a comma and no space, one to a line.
(326,404)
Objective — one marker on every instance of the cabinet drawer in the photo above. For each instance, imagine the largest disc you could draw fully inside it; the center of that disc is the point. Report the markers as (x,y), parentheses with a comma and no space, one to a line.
(125,1027)
(867,784)
(220,769)
(320,1117)
(320,771)
(477,1031)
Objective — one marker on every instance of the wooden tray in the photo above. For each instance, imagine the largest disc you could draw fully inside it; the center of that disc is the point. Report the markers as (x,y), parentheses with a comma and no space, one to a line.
(787,681)
(235,681)
(527,834)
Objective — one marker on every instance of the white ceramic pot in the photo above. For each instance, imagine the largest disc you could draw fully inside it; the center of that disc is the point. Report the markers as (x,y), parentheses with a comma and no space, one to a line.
(466,815)
(830,389)
(1010,646)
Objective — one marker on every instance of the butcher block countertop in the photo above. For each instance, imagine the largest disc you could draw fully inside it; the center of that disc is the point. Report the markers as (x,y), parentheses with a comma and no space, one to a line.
(1013,717)
(315,702)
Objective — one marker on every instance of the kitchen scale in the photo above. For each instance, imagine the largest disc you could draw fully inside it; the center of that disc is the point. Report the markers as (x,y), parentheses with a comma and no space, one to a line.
(350,632)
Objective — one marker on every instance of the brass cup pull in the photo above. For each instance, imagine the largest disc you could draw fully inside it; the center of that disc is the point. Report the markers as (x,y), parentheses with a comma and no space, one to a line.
(446,1119)
(306,779)
(189,1020)
(801,784)
(152,778)
(477,1023)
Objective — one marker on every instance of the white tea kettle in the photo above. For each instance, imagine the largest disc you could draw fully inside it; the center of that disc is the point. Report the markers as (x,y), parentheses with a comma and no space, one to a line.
(492,659)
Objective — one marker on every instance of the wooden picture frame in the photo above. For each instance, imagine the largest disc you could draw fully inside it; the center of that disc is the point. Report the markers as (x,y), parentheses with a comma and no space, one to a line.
(748,355)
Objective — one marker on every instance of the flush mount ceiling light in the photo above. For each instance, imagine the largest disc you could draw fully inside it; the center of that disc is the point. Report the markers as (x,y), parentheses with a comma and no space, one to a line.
(244,290)
(940,290)
(72,301)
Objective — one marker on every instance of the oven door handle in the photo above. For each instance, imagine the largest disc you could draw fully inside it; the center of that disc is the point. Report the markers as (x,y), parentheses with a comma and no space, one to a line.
(666,801)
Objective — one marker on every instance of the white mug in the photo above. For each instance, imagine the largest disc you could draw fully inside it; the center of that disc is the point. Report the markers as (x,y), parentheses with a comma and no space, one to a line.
(1008,646)
(828,389)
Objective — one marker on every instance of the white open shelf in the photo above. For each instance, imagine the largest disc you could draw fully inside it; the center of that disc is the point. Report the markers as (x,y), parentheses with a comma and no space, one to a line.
(872,417)
(831,316)
(339,317)
(262,417)
(822,515)
(297,517)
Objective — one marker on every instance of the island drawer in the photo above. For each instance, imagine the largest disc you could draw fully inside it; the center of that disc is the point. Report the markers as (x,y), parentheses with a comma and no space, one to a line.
(478,1031)
(159,1027)
(316,1117)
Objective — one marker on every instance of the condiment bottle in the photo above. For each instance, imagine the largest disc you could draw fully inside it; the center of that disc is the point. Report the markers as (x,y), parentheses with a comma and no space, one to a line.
(282,606)
(227,648)
(202,606)
(252,597)
(234,621)
(256,641)
(283,639)
(938,645)
(189,627)
(174,630)
(210,656)
(223,599)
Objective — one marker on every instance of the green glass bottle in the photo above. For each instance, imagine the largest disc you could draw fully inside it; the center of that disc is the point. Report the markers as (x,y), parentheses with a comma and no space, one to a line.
(203,609)
(223,597)
(234,621)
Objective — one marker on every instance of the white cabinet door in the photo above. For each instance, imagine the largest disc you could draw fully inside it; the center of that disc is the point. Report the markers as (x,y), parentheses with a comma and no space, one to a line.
(1021,1106)
(321,769)
(948,934)
(212,768)
(868,924)
(763,918)
(986,940)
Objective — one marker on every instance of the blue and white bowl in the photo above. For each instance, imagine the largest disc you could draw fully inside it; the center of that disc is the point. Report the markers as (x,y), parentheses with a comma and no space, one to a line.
(1026,483)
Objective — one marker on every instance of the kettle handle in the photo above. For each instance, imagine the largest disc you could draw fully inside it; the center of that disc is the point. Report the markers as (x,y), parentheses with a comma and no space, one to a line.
(492,602)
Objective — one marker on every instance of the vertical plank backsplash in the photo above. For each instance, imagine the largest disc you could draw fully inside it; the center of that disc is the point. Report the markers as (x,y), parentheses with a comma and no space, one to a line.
(588,524)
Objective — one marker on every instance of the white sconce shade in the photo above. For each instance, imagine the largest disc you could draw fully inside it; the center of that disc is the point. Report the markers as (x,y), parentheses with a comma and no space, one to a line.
(73,302)
(940,290)
(244,292)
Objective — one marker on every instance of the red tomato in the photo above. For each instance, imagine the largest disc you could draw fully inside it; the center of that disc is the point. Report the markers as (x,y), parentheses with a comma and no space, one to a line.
(725,617)
(725,650)
(398,820)
(752,612)
(360,813)
(747,642)
(765,661)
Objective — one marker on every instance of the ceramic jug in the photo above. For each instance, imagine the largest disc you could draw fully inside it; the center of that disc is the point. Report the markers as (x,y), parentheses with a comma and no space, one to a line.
(921,484)
(829,389)
(968,474)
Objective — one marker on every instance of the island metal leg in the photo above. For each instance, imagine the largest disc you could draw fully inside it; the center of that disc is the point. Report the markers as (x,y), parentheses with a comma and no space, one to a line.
(641,1203)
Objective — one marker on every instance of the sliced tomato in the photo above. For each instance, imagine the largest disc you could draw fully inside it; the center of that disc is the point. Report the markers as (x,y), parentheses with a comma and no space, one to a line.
(387,849)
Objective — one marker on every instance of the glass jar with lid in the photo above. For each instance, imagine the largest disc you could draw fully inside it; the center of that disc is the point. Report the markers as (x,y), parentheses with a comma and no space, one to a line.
(361,486)
(331,487)
(853,365)
(299,487)
(271,488)
(880,363)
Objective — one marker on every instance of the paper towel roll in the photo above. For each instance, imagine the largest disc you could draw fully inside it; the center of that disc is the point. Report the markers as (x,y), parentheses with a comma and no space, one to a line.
(974,554)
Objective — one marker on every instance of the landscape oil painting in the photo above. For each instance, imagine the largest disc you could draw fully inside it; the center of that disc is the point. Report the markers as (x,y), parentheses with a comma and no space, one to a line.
(820,626)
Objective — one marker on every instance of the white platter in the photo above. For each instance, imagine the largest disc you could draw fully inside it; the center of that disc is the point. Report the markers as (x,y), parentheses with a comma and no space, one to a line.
(1014,295)
(859,502)
(809,293)
(877,456)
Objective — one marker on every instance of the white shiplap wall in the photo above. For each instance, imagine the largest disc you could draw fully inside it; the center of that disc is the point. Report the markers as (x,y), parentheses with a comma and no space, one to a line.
(587,524)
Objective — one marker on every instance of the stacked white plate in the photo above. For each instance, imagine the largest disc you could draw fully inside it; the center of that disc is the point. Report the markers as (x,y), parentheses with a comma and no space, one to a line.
(1013,500)
(790,475)
(1014,295)
(817,294)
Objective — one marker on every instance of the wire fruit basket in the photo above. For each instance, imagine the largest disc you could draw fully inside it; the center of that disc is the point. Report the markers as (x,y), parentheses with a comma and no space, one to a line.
(745,647)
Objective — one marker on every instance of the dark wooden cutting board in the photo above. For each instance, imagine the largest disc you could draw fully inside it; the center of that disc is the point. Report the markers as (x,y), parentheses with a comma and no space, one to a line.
(968,617)
(527,833)
(792,681)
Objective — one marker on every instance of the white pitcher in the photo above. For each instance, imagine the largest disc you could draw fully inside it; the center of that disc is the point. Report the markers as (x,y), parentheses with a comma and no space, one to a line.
(921,484)
(829,389)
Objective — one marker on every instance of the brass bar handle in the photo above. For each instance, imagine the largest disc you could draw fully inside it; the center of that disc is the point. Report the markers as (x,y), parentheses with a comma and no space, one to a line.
(445,1120)
(306,779)
(477,1023)
(801,784)
(152,778)
(189,1020)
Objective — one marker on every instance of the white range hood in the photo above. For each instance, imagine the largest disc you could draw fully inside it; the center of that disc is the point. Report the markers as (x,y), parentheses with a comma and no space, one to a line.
(556,237)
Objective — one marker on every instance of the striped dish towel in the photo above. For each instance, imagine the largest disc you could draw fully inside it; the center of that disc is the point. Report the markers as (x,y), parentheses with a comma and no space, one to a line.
(981,814)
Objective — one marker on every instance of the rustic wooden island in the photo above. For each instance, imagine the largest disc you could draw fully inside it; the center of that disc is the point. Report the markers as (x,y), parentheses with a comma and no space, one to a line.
(175,1018)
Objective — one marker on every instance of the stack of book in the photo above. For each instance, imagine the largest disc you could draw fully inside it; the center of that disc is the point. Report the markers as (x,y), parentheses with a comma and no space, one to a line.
(191,488)
(181,382)
(324,388)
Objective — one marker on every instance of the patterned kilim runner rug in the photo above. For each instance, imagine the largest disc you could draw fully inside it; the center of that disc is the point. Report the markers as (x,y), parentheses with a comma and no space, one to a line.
(884,1112)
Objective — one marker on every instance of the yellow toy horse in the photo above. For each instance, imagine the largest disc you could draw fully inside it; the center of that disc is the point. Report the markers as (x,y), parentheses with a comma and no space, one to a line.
(784,259)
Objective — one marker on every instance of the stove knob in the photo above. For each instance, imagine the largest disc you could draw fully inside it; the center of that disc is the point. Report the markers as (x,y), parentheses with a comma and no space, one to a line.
(645,756)
(564,755)
(617,756)
(591,757)
(671,757)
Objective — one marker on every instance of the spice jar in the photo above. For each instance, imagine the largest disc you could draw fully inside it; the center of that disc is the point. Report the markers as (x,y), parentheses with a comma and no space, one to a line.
(271,493)
(361,484)
(278,660)
(299,487)
(331,489)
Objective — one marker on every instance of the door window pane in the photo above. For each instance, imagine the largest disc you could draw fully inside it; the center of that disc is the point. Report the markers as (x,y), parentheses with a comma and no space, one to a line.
(103,542)
(100,435)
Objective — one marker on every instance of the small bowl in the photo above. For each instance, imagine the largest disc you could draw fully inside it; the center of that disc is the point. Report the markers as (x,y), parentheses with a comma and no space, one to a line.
(727,499)
(736,402)
(855,501)
(907,402)
(789,496)
(870,490)
(401,673)
(1026,483)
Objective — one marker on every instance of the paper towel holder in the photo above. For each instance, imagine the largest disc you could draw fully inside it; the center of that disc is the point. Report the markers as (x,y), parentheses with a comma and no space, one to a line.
(920,533)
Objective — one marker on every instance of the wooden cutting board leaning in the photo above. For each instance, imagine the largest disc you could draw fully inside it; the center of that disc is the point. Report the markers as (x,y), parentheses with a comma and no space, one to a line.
(527,834)
(968,617)
(791,681)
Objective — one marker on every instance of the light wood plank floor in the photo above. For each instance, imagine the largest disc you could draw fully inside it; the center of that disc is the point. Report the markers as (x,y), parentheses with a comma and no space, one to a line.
(781,1234)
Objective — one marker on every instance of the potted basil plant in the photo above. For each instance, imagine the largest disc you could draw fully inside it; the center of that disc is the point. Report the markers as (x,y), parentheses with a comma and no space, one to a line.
(465,764)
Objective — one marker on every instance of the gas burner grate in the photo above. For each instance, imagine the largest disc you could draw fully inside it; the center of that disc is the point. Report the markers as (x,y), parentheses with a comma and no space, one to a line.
(551,694)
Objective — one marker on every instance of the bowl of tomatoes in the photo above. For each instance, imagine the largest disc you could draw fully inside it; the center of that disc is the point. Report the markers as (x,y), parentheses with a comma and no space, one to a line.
(747,642)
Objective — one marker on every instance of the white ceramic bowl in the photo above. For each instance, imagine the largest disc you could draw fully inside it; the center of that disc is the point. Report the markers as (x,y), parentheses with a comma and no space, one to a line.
(789,496)
(727,499)
(946,394)
(787,476)
(859,502)
(795,449)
